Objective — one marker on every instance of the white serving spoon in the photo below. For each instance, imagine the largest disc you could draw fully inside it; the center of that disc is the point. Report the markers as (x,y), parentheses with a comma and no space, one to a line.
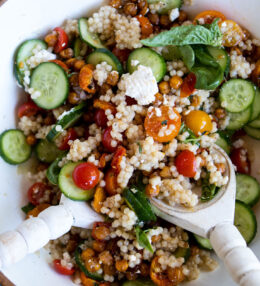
(213,220)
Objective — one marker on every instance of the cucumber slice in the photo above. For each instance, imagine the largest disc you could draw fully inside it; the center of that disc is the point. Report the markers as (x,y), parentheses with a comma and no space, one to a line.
(253,132)
(221,57)
(139,204)
(78,47)
(139,283)
(148,58)
(67,120)
(182,252)
(167,5)
(239,119)
(255,123)
(222,143)
(67,186)
(81,265)
(24,51)
(256,105)
(245,221)
(54,170)
(88,37)
(104,55)
(248,189)
(47,152)
(52,82)
(203,242)
(237,95)
(13,147)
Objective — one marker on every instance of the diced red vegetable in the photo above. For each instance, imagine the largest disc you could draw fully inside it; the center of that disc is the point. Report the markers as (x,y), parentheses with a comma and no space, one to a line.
(185,163)
(62,42)
(61,269)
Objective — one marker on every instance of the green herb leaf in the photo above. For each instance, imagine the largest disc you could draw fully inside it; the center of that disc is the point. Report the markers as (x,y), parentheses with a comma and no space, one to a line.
(192,138)
(143,240)
(140,147)
(164,122)
(188,35)
(27,208)
(209,191)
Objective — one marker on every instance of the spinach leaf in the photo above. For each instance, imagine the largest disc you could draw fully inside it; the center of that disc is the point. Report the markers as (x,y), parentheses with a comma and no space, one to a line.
(209,191)
(187,35)
(142,239)
(27,208)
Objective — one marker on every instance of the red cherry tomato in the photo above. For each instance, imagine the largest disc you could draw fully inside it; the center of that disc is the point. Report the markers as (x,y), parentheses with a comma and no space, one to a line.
(122,55)
(188,85)
(100,118)
(186,164)
(61,269)
(36,192)
(117,158)
(86,176)
(71,135)
(130,101)
(239,158)
(107,139)
(62,41)
(28,109)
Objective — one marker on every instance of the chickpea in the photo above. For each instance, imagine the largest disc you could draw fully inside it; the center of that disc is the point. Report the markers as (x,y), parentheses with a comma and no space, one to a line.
(165,172)
(175,275)
(72,245)
(143,6)
(165,21)
(175,25)
(151,191)
(176,82)
(101,232)
(195,101)
(109,270)
(51,39)
(87,253)
(183,16)
(99,246)
(112,78)
(42,167)
(92,264)
(74,80)
(115,3)
(31,139)
(130,9)
(48,120)
(73,98)
(154,19)
(164,87)
(88,117)
(220,113)
(70,62)
(104,88)
(78,64)
(106,258)
(194,250)
(67,53)
(121,265)
(156,238)
(144,269)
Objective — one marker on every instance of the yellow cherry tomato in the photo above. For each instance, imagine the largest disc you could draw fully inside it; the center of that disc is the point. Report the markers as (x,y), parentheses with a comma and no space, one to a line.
(198,122)
(232,33)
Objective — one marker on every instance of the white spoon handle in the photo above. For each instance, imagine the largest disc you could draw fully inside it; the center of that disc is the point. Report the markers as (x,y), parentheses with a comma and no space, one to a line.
(240,261)
(34,233)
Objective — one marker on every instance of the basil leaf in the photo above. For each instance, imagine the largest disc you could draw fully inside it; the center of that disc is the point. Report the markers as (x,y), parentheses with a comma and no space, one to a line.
(187,35)
(142,239)
(209,191)
(27,208)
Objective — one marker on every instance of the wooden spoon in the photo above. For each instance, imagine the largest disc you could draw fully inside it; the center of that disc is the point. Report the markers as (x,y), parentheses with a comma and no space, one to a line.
(214,220)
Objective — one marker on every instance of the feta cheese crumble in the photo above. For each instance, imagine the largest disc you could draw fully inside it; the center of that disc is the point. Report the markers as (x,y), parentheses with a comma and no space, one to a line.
(140,85)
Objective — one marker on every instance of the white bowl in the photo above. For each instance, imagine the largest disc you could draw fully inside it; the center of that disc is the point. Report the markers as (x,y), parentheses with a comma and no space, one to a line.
(20,20)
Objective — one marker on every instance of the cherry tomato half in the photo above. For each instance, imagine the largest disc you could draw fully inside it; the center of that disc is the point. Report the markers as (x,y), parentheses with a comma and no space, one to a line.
(71,135)
(61,269)
(36,192)
(107,140)
(61,64)
(111,182)
(185,163)
(28,109)
(86,176)
(208,16)
(62,41)
(122,55)
(117,158)
(188,85)
(100,118)
(239,158)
